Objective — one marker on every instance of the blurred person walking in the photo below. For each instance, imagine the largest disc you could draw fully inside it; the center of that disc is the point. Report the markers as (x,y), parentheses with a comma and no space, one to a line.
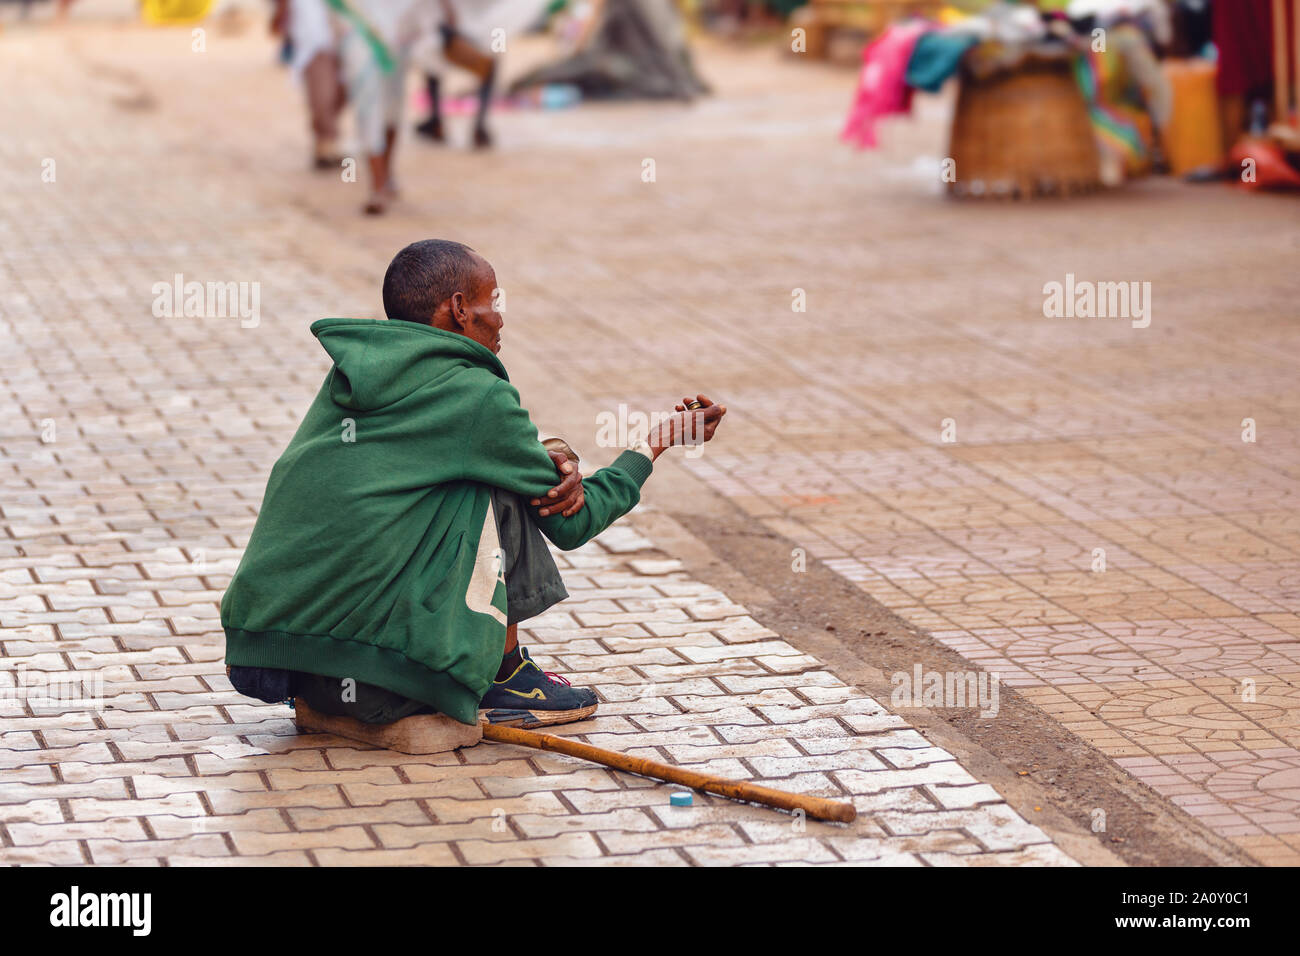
(626,49)
(375,50)
(459,50)
(315,62)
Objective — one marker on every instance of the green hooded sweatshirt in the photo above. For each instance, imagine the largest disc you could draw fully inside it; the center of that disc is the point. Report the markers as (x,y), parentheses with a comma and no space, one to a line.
(375,555)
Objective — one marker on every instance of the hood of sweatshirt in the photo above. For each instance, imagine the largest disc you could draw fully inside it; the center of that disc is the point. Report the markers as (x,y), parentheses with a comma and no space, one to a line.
(381,361)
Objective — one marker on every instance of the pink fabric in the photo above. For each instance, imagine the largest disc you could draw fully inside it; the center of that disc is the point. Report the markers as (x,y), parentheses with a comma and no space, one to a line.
(881,90)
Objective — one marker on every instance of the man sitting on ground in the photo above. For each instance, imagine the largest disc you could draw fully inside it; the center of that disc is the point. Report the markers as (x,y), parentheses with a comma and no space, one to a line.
(400,541)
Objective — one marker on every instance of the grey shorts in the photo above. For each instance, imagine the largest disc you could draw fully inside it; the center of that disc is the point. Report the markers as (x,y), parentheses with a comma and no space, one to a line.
(533,584)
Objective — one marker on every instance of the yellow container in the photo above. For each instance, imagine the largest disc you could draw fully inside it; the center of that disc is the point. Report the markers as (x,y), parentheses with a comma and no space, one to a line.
(171,12)
(1193,139)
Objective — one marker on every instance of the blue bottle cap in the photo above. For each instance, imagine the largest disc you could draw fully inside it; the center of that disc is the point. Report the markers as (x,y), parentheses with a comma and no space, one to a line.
(681,799)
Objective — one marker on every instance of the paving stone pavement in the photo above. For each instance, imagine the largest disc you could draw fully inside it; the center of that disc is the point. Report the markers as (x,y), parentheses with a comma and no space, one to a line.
(135,449)
(1108,533)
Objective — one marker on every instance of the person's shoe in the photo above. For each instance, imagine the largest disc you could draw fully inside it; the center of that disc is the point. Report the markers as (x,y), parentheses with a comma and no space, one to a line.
(326,157)
(531,697)
(431,129)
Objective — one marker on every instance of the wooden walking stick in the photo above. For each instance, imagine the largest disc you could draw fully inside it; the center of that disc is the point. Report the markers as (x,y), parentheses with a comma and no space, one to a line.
(819,808)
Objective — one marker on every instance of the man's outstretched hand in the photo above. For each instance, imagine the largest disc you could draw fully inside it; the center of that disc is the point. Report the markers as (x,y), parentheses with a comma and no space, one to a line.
(692,427)
(567,497)
(687,427)
(711,413)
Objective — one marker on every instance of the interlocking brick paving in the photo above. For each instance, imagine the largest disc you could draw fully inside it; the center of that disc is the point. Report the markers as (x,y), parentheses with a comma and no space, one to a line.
(1072,435)
(1182,658)
(135,449)
(1179,661)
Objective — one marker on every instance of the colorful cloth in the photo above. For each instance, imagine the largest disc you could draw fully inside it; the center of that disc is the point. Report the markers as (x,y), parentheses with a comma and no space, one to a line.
(936,57)
(1114,128)
(1125,89)
(1243,34)
(882,88)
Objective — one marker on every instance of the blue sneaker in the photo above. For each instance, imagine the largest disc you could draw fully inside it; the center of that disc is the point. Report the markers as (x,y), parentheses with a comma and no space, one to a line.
(532,697)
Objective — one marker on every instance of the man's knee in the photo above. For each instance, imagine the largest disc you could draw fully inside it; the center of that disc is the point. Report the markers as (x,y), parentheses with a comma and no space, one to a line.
(533,581)
(508,512)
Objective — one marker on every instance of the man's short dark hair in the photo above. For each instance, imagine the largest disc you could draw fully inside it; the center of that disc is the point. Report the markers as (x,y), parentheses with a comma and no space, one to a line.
(424,275)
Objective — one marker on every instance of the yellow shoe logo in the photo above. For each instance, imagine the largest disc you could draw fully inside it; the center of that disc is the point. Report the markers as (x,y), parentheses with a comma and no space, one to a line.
(534,694)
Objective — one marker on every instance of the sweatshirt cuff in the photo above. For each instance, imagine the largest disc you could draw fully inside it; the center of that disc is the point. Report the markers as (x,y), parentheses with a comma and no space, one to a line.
(635,465)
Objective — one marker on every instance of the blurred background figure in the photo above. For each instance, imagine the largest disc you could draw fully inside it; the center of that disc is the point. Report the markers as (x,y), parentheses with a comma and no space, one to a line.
(455,47)
(1040,96)
(625,49)
(313,57)
(375,50)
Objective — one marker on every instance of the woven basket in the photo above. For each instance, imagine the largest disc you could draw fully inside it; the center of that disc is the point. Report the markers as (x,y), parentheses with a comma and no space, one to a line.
(1022,133)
